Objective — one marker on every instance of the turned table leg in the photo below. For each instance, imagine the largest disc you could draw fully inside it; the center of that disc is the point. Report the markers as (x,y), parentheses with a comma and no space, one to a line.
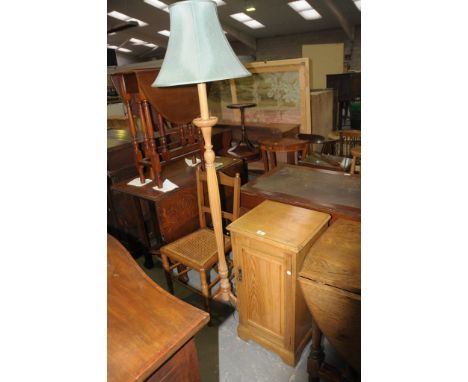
(316,355)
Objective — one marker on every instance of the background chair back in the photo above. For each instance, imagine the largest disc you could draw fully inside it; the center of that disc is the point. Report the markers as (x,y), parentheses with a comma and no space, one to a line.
(229,192)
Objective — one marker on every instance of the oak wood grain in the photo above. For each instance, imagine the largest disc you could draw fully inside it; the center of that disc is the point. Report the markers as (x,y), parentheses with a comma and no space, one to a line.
(269,244)
(145,324)
(331,280)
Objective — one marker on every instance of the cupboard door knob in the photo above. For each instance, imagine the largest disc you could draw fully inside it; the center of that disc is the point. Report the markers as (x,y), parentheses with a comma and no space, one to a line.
(288,273)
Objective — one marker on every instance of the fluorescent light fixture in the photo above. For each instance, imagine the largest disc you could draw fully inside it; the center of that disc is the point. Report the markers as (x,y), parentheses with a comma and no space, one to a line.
(219,2)
(247,20)
(305,10)
(300,5)
(151,45)
(165,32)
(250,9)
(254,24)
(158,4)
(118,15)
(137,41)
(358,4)
(124,50)
(241,17)
(310,14)
(124,17)
(112,46)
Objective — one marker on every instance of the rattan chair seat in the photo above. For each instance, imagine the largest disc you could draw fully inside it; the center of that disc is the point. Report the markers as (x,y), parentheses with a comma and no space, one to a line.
(196,250)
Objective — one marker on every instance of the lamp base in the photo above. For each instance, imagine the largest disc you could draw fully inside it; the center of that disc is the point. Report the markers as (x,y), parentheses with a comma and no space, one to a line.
(222,296)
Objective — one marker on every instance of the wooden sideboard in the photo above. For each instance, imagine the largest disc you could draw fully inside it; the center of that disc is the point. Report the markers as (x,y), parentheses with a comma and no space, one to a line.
(269,244)
(149,331)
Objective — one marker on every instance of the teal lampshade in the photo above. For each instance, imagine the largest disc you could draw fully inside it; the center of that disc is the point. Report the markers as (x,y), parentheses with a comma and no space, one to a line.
(198,51)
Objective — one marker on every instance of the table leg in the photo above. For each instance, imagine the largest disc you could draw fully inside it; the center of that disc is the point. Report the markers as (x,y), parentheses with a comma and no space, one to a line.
(316,355)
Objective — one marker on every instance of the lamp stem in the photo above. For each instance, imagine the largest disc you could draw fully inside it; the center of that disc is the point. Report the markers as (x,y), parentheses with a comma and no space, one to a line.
(203,100)
(206,123)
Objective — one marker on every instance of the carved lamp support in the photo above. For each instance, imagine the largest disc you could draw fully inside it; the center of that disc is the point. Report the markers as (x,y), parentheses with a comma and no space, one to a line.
(206,123)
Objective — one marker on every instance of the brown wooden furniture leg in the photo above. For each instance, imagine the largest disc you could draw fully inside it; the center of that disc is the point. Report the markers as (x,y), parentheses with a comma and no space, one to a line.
(136,150)
(142,232)
(167,273)
(205,290)
(152,154)
(316,355)
(144,131)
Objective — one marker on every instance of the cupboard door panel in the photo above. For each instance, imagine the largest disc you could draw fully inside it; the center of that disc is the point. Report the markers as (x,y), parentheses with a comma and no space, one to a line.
(263,284)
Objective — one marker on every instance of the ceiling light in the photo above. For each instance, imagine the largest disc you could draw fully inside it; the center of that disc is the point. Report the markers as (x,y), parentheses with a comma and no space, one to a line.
(247,20)
(300,5)
(118,15)
(310,14)
(250,9)
(151,45)
(254,24)
(124,50)
(219,2)
(165,32)
(137,41)
(241,17)
(124,17)
(358,4)
(305,10)
(112,46)
(158,4)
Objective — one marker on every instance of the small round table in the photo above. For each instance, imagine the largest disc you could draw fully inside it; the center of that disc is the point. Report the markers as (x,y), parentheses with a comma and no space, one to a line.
(244,148)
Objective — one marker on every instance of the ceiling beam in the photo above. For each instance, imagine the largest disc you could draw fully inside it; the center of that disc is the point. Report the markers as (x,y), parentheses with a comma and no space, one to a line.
(159,41)
(345,22)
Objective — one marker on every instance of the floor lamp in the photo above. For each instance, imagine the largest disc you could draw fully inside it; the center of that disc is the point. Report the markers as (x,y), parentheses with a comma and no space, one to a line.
(198,52)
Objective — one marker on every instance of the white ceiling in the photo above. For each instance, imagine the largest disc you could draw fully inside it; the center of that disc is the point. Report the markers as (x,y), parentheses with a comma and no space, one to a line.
(279,19)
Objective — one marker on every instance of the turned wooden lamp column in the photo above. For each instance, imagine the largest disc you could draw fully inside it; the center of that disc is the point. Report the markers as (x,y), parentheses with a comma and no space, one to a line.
(198,52)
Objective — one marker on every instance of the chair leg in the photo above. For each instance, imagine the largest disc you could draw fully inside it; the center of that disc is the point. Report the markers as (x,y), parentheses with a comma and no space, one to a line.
(353,165)
(205,290)
(167,273)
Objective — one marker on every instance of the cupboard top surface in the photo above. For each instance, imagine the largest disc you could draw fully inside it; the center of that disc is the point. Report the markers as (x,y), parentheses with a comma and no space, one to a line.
(288,226)
(335,258)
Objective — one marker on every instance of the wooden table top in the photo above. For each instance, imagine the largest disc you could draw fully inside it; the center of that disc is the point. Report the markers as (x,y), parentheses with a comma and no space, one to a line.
(335,258)
(145,324)
(178,172)
(283,127)
(332,192)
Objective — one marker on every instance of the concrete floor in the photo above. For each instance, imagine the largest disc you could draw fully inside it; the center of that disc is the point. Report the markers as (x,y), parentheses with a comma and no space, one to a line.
(222,355)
